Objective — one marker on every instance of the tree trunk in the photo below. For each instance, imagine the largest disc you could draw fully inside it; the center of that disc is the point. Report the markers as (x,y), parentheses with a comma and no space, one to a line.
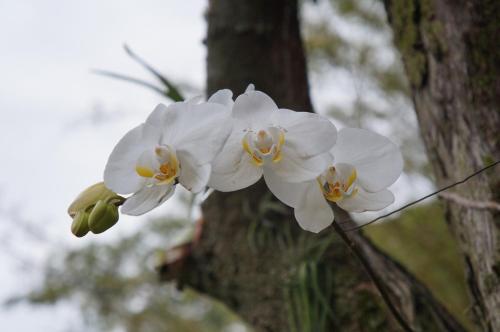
(251,254)
(451,53)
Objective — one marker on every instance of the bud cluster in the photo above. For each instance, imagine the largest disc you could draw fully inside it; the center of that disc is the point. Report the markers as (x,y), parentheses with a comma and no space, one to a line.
(94,210)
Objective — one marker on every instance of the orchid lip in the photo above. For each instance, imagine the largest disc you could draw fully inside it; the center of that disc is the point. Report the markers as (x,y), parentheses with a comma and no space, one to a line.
(264,145)
(336,187)
(161,168)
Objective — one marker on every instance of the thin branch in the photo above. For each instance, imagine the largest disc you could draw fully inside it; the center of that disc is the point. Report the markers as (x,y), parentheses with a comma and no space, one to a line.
(376,280)
(471,204)
(420,199)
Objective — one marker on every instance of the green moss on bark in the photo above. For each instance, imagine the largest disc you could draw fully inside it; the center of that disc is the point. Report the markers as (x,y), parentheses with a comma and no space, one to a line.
(417,34)
(483,53)
(405,17)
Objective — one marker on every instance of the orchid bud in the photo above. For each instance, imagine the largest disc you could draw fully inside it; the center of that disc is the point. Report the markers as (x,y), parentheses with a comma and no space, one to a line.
(80,225)
(102,217)
(89,197)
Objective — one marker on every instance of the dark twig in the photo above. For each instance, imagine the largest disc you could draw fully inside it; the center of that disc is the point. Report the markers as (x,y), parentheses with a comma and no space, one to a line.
(420,199)
(376,280)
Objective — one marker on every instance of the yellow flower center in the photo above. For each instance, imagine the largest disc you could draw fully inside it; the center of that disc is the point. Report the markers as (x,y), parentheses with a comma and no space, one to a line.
(162,168)
(265,145)
(336,186)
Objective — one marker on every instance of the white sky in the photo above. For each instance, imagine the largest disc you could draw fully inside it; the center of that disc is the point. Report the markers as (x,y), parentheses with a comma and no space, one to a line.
(59,122)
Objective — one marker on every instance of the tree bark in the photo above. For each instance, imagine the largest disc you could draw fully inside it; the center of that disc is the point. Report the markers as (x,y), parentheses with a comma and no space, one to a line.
(451,54)
(251,254)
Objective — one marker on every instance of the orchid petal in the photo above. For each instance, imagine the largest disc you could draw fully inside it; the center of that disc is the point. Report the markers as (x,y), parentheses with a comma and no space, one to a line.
(156,117)
(313,212)
(366,201)
(168,120)
(237,176)
(378,161)
(254,108)
(250,87)
(147,199)
(120,174)
(193,177)
(230,155)
(199,130)
(287,192)
(223,97)
(195,100)
(309,134)
(293,168)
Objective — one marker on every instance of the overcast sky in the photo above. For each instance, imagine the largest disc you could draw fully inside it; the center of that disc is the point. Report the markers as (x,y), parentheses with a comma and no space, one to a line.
(59,121)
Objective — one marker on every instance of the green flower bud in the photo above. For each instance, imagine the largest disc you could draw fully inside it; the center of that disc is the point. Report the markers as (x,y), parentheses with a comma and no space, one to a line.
(102,217)
(89,197)
(80,225)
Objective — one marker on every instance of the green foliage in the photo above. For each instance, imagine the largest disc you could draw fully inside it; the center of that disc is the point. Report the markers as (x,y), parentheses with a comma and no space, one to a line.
(420,240)
(321,298)
(308,295)
(308,286)
(117,287)
(261,231)
(309,289)
(168,89)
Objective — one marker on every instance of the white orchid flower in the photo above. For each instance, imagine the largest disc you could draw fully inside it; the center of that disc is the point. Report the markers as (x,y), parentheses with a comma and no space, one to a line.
(176,144)
(280,144)
(365,165)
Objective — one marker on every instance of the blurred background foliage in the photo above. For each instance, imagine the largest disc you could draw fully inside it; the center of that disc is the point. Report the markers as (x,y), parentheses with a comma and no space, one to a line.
(115,285)
(349,44)
(117,288)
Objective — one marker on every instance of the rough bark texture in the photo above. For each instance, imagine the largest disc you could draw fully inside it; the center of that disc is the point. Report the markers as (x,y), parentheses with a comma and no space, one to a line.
(451,52)
(251,253)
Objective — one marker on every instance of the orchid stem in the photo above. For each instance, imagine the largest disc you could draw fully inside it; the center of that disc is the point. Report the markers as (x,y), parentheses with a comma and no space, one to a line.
(376,280)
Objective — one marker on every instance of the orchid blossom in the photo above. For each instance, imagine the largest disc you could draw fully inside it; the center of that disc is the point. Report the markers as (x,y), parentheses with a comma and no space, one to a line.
(365,165)
(229,145)
(279,144)
(176,144)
